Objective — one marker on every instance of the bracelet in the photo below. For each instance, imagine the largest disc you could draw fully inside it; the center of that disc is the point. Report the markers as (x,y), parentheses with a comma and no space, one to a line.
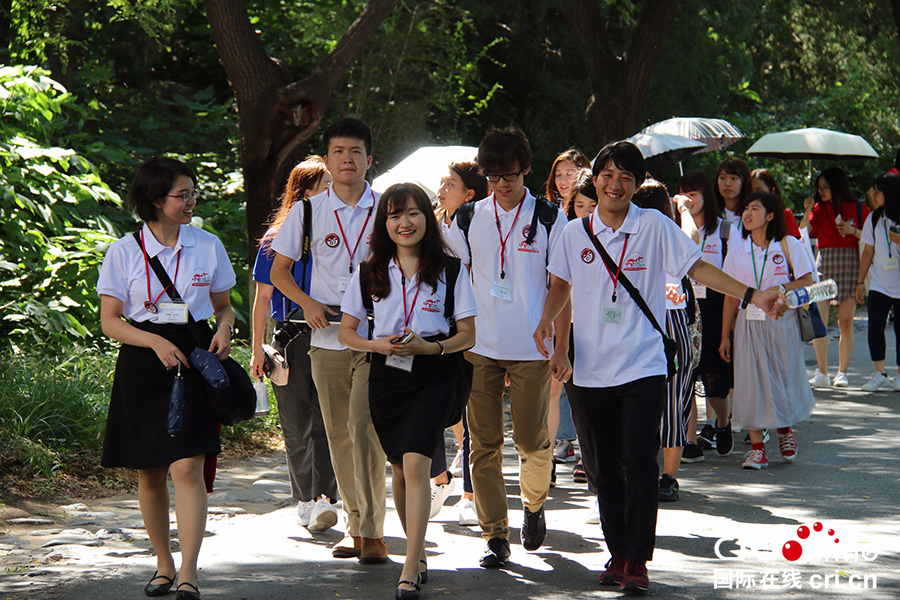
(230,328)
(860,283)
(443,348)
(747,296)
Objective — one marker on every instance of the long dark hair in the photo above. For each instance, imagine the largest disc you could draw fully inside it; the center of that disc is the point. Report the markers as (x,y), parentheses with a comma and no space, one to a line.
(732,166)
(776,229)
(304,177)
(433,253)
(577,158)
(839,187)
(584,185)
(889,185)
(653,194)
(697,181)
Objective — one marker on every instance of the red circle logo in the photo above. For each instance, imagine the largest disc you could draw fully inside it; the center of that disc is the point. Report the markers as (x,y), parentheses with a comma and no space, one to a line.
(526,230)
(778,259)
(332,240)
(587,255)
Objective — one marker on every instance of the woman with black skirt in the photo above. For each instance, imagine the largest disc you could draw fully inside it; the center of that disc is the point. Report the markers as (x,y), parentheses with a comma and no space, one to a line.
(152,328)
(415,370)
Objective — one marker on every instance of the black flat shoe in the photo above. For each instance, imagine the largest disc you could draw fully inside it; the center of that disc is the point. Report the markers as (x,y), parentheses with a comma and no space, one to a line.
(412,594)
(423,575)
(158,589)
(181,594)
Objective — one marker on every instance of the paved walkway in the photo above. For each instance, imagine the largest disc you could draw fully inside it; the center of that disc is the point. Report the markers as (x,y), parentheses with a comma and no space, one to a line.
(845,477)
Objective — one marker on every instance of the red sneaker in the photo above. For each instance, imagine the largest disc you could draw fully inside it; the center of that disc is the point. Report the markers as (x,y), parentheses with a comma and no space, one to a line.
(636,578)
(788,446)
(615,571)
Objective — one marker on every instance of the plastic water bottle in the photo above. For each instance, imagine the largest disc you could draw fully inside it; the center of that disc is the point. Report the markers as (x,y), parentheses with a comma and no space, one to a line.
(823,290)
(262,398)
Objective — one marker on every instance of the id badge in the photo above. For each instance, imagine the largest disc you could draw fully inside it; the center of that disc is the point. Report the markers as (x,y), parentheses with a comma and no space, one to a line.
(344,283)
(404,363)
(612,314)
(755,313)
(175,313)
(891,263)
(502,288)
(699,291)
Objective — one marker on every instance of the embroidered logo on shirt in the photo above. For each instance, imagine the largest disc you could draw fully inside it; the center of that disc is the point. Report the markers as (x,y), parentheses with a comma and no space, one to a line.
(332,240)
(711,247)
(781,270)
(634,262)
(587,255)
(432,305)
(201,277)
(778,259)
(524,247)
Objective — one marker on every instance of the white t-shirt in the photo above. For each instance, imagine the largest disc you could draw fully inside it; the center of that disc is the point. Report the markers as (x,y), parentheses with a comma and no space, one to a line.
(337,229)
(711,244)
(610,354)
(771,268)
(203,268)
(424,304)
(733,218)
(504,328)
(884,280)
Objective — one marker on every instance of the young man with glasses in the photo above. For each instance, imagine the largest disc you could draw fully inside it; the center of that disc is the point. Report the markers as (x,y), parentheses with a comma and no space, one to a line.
(506,247)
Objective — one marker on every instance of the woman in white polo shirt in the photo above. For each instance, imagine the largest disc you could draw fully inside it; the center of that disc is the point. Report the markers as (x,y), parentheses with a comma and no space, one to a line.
(152,328)
(881,253)
(413,378)
(770,386)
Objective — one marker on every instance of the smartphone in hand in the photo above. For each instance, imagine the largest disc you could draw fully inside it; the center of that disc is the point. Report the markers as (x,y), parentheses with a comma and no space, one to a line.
(402,339)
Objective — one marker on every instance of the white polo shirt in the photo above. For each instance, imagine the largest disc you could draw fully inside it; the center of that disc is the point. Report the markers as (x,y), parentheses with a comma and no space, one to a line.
(611,354)
(711,244)
(424,305)
(886,281)
(504,328)
(771,268)
(337,229)
(733,218)
(203,268)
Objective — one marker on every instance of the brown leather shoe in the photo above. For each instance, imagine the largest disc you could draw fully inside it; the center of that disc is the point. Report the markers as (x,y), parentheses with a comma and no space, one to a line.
(373,551)
(349,547)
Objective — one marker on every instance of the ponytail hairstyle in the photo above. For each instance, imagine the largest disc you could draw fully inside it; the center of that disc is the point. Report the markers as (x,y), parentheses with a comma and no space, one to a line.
(433,253)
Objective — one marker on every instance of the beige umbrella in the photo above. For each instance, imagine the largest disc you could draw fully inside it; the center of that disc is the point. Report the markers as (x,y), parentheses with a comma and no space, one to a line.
(812,143)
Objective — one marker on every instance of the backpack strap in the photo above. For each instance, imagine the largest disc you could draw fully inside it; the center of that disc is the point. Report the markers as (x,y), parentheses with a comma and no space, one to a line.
(367,301)
(305,255)
(451,272)
(724,234)
(546,213)
(859,207)
(463,217)
(691,300)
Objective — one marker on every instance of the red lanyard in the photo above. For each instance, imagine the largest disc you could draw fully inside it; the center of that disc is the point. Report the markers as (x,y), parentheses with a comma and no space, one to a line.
(150,304)
(500,234)
(361,233)
(615,278)
(407,315)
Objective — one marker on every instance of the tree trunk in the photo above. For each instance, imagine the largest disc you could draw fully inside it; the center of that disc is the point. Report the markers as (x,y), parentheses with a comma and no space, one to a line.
(618,83)
(277,116)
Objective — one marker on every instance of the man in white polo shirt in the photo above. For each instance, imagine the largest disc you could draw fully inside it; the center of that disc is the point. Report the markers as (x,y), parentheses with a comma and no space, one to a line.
(620,362)
(342,218)
(509,236)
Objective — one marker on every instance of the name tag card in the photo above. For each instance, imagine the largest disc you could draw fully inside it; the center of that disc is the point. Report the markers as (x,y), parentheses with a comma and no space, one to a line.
(404,363)
(175,313)
(344,283)
(699,291)
(612,314)
(891,263)
(755,313)
(502,288)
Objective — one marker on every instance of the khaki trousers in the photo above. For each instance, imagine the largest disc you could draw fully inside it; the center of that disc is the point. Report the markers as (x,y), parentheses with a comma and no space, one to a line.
(530,398)
(342,380)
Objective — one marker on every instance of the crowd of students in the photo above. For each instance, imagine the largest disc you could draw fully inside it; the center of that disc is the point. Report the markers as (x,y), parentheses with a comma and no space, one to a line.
(598,308)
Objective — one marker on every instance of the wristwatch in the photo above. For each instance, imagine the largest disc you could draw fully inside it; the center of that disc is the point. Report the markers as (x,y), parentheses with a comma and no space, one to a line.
(782,289)
(747,296)
(230,328)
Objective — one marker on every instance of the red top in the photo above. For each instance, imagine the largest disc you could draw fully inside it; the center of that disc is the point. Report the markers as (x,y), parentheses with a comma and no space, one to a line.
(791,223)
(823,228)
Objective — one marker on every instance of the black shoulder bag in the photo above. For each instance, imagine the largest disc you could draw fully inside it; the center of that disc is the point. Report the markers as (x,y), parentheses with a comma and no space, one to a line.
(671,348)
(233,402)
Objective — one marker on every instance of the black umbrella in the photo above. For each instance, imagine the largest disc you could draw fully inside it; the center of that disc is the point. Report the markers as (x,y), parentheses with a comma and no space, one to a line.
(176,405)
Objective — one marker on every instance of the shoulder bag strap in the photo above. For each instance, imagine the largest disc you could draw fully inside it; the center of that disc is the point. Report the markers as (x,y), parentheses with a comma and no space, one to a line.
(635,294)
(451,272)
(787,255)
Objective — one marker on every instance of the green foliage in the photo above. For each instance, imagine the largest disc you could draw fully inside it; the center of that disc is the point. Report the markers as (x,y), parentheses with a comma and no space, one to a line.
(57,217)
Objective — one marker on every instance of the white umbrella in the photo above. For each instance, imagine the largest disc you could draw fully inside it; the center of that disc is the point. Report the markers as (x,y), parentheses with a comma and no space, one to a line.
(812,143)
(662,149)
(717,134)
(424,167)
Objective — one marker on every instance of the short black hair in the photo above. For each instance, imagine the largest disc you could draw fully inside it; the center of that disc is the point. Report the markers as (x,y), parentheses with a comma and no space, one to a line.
(152,181)
(776,229)
(624,155)
(349,128)
(502,149)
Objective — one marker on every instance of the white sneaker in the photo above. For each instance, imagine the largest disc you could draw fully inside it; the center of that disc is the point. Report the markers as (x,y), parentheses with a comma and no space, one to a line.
(304,509)
(896,382)
(876,380)
(466,510)
(439,494)
(593,517)
(840,380)
(820,380)
(324,515)
(456,465)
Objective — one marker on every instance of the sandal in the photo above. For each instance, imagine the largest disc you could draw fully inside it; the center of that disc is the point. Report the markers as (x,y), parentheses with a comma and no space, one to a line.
(412,594)
(181,594)
(158,589)
(423,575)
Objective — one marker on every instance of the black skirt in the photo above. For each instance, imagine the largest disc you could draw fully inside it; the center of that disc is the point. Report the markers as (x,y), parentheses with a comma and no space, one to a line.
(411,410)
(136,434)
(716,374)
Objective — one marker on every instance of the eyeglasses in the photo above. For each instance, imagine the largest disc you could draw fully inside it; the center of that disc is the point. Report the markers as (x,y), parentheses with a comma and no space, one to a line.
(186,196)
(509,177)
